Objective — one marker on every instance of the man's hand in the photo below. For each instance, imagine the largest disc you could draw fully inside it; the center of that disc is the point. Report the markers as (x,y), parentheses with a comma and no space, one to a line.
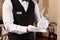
(31,28)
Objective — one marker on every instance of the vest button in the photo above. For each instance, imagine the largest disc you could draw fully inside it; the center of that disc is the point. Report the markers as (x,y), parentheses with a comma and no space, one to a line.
(26,15)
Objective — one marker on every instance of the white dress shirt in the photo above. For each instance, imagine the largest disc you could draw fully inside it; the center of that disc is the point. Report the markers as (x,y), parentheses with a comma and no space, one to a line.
(8,16)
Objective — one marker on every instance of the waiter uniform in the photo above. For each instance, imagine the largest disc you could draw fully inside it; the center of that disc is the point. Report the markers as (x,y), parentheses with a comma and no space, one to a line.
(23,18)
(17,16)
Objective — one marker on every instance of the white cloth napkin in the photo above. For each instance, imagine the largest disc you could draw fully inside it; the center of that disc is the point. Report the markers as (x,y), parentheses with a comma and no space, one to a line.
(43,24)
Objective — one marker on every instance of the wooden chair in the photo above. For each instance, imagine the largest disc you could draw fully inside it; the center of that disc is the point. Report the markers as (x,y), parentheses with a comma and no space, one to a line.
(4,34)
(0,31)
(51,30)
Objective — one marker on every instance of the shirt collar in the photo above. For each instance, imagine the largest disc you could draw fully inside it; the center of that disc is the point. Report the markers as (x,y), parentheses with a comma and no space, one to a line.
(22,1)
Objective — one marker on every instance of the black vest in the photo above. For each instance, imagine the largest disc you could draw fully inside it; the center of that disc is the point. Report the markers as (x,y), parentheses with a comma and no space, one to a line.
(26,17)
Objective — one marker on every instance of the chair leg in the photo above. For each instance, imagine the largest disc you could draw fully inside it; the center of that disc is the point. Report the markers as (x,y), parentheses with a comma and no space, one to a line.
(1,38)
(49,36)
(4,37)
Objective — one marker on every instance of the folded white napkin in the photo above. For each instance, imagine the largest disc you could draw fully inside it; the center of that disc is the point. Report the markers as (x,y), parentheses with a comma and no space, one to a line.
(43,24)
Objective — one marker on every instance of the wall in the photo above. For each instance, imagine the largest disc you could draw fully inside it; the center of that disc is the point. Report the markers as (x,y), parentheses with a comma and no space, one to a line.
(51,5)
(1,2)
(52,11)
(58,28)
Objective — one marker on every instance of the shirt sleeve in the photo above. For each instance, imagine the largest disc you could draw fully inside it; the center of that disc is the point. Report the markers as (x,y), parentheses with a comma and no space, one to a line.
(38,12)
(8,19)
(42,22)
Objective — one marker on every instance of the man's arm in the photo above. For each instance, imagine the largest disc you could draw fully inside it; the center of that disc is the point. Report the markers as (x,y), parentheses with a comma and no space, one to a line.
(38,12)
(8,19)
(42,22)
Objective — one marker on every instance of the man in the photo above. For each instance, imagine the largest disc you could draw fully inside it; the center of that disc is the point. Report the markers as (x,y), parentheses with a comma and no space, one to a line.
(18,18)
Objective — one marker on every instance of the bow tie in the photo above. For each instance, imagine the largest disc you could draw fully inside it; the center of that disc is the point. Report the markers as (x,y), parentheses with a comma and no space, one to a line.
(26,0)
